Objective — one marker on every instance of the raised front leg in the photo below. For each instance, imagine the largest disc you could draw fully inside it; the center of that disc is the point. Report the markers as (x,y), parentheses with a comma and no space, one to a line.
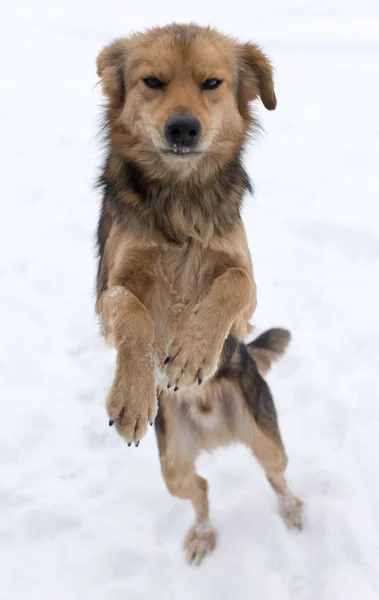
(131,402)
(194,353)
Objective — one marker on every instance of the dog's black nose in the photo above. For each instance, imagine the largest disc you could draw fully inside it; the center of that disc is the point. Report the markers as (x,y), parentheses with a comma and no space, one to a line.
(183,130)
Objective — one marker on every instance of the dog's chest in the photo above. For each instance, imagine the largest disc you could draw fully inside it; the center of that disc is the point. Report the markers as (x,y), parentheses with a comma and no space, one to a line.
(183,273)
(182,278)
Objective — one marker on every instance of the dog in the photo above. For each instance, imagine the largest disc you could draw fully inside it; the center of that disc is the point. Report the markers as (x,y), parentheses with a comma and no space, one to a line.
(175,287)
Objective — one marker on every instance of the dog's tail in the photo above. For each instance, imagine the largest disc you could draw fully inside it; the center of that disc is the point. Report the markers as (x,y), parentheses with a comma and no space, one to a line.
(268,347)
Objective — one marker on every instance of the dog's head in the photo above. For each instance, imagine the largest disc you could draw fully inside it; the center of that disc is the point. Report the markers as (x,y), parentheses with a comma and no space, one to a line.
(179,95)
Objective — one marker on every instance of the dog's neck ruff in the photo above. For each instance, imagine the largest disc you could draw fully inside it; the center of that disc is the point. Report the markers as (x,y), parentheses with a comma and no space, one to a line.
(175,210)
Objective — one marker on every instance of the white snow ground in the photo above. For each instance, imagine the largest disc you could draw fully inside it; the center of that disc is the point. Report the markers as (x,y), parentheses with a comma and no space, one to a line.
(84,517)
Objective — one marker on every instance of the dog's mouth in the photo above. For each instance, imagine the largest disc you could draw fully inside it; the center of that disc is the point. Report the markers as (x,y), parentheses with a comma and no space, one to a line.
(180,151)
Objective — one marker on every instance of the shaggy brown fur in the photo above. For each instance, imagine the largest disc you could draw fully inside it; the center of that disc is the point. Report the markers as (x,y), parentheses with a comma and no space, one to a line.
(175,277)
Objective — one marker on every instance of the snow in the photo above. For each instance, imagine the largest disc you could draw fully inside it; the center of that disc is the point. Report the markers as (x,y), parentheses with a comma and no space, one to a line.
(82,515)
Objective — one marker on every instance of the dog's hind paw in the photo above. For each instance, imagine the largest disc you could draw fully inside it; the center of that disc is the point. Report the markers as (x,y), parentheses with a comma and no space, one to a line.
(199,542)
(291,509)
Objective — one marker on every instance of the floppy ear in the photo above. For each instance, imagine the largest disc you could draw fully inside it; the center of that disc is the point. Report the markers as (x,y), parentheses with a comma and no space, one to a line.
(256,76)
(111,69)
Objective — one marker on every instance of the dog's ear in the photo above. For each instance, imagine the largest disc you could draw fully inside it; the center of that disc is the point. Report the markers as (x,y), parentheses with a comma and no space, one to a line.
(111,69)
(255,77)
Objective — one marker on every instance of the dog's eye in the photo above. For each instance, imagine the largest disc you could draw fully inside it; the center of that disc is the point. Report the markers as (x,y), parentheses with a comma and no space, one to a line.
(211,84)
(154,83)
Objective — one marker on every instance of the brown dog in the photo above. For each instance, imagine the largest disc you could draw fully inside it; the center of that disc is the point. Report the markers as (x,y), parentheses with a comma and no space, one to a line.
(175,287)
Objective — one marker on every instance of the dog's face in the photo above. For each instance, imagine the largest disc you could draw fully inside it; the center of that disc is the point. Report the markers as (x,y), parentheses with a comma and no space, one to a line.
(180,94)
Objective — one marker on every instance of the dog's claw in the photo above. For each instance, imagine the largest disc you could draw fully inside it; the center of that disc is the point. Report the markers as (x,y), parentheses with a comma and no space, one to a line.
(199,381)
(176,388)
(167,360)
(168,386)
(136,444)
(110,422)
(129,444)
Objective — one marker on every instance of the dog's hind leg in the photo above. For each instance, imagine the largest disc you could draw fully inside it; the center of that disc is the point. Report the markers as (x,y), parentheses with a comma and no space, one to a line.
(272,457)
(258,424)
(265,441)
(178,452)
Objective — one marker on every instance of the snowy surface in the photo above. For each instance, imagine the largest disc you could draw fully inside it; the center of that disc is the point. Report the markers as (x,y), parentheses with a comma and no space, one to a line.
(84,517)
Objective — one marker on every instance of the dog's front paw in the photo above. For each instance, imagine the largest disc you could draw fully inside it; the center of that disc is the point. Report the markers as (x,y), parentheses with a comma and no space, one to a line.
(198,543)
(193,357)
(132,402)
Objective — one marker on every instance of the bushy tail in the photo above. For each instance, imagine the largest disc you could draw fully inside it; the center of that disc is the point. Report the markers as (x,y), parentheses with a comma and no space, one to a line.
(268,347)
